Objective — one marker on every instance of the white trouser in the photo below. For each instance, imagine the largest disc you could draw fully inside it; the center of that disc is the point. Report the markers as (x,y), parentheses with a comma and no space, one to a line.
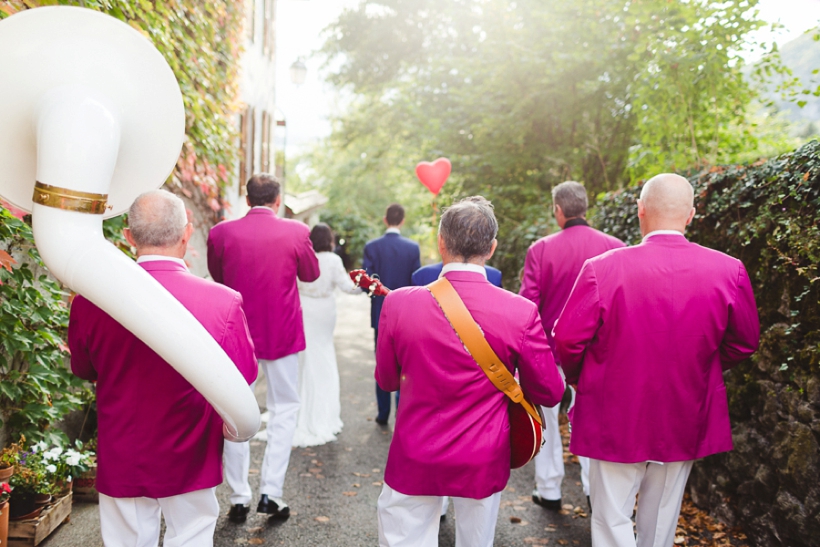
(413,521)
(282,376)
(613,492)
(549,462)
(190,520)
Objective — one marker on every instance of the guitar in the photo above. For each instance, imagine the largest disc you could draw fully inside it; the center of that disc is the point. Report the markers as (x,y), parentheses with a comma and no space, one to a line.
(372,285)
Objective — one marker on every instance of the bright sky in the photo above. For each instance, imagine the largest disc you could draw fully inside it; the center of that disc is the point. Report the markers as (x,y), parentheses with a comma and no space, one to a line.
(299,24)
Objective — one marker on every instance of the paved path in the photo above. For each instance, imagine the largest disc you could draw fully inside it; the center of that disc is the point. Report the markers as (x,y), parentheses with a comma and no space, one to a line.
(332,489)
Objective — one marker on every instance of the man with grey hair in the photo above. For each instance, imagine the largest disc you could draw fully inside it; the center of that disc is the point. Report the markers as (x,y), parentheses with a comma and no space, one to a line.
(452,429)
(147,412)
(646,334)
(550,269)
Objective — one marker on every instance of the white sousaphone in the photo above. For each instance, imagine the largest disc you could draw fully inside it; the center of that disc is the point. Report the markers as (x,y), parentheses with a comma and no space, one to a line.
(91,116)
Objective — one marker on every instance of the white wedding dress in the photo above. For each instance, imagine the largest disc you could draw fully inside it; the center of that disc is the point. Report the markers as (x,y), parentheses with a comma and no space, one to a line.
(320,418)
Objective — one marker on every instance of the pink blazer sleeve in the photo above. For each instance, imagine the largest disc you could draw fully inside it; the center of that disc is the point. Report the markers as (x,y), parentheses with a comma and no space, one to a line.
(80,360)
(308,262)
(742,335)
(578,323)
(537,371)
(388,371)
(237,341)
(214,259)
(530,286)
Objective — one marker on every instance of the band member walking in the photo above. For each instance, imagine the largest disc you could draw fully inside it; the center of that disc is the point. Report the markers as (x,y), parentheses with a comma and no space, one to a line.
(452,436)
(552,264)
(647,333)
(261,256)
(147,412)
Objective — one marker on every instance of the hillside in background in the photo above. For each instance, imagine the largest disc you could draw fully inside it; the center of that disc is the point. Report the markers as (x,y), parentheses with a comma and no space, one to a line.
(802,56)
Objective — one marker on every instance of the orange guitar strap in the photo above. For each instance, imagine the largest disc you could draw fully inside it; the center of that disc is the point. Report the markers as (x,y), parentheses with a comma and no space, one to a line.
(473,339)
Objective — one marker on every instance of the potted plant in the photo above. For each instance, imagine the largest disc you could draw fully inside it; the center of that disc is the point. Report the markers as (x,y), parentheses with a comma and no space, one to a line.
(8,459)
(25,484)
(62,466)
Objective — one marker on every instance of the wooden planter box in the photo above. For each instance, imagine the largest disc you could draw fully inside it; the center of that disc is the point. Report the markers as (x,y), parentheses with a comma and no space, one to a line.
(25,533)
(85,486)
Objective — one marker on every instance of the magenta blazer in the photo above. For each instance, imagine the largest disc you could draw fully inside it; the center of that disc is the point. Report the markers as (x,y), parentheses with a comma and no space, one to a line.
(452,435)
(158,436)
(553,263)
(261,255)
(647,333)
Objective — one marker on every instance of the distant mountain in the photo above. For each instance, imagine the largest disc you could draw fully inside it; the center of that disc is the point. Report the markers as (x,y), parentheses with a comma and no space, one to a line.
(802,56)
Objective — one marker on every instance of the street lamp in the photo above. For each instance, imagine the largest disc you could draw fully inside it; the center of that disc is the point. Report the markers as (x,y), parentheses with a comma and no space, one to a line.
(298,72)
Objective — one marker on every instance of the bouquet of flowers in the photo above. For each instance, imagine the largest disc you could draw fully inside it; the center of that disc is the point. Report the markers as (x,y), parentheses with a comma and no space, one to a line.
(64,464)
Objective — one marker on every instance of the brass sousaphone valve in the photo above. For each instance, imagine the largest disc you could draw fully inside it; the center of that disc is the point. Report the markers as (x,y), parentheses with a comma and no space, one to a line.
(71,200)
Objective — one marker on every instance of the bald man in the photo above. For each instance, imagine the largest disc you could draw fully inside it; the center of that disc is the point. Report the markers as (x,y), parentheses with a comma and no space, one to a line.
(646,335)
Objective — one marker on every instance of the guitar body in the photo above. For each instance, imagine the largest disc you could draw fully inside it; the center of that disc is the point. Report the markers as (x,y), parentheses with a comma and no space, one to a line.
(526,435)
(372,285)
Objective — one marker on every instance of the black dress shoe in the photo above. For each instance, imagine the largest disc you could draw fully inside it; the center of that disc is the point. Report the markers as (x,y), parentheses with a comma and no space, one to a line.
(589,503)
(552,505)
(238,513)
(276,508)
(381,422)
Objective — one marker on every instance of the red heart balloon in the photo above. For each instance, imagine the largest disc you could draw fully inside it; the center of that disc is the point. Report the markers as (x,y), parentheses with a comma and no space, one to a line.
(434,175)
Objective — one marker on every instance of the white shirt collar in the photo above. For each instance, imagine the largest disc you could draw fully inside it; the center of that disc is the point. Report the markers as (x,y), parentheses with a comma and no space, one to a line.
(392,230)
(463,267)
(262,207)
(662,233)
(157,258)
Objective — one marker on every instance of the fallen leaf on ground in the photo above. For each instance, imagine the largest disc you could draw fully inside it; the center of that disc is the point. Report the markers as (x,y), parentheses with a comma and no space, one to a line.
(322,519)
(376,470)
(256,541)
(567,506)
(349,494)
(256,530)
(680,540)
(315,470)
(305,475)
(536,541)
(515,520)
(356,485)
(377,483)
(519,508)
(563,542)
(563,512)
(320,476)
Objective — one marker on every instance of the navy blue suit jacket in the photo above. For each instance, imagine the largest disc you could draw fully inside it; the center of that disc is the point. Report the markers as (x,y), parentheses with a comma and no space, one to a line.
(394,258)
(427,274)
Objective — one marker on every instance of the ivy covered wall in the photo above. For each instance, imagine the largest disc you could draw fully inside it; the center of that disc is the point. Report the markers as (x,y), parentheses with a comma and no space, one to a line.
(768,215)
(202,42)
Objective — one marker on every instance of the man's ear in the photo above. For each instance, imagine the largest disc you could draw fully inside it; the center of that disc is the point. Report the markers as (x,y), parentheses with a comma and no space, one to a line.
(189,231)
(129,237)
(248,201)
(492,249)
(691,216)
(642,209)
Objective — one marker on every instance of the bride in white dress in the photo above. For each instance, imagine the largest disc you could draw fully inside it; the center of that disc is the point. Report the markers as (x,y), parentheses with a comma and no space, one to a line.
(319,418)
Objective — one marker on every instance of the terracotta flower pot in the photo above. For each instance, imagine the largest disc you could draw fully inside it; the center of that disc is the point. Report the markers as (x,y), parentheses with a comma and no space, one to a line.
(5,473)
(4,523)
(42,499)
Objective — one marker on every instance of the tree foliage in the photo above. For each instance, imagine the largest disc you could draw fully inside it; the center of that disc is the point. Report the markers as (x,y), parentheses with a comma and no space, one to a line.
(523,95)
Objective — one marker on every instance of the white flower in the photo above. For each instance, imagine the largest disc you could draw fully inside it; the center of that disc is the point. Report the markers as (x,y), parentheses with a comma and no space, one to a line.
(56,451)
(49,456)
(73,459)
(68,479)
(39,447)
(51,468)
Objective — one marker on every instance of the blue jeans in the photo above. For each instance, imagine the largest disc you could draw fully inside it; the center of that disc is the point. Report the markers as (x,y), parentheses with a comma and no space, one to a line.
(382,396)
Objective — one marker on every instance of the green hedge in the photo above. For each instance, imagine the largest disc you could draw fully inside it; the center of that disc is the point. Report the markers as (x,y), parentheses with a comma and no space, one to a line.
(767,215)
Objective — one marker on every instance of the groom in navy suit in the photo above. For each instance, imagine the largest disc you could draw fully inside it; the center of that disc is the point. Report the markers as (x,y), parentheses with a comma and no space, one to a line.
(394,258)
